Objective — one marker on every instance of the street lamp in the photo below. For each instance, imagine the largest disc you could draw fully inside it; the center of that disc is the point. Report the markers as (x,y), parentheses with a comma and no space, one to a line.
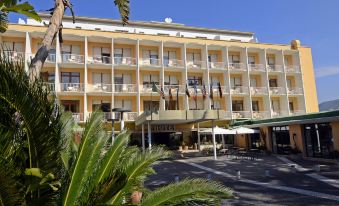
(122,122)
(112,120)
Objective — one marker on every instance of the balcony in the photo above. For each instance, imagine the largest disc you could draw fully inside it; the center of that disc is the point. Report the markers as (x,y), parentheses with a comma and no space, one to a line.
(277,91)
(275,68)
(260,114)
(295,91)
(130,116)
(72,87)
(239,90)
(259,90)
(125,61)
(99,88)
(146,88)
(173,63)
(297,112)
(292,69)
(125,88)
(150,62)
(99,60)
(107,115)
(237,66)
(215,90)
(196,64)
(216,65)
(174,89)
(14,56)
(78,117)
(256,67)
(51,58)
(72,58)
(49,86)
(241,114)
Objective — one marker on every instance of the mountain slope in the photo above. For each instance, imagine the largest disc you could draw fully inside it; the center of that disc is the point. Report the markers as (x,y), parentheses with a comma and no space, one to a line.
(329,105)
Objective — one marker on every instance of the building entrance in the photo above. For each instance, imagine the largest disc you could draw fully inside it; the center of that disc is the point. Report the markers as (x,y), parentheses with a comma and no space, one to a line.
(281,140)
(318,140)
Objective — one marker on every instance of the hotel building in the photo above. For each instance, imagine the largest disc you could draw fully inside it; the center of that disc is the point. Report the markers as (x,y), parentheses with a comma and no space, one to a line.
(102,64)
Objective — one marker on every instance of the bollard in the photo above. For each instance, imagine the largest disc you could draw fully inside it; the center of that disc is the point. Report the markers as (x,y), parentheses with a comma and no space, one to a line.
(317,168)
(209,177)
(238,174)
(176,178)
(267,173)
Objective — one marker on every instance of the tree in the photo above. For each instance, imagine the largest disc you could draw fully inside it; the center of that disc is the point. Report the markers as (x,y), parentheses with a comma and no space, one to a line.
(40,164)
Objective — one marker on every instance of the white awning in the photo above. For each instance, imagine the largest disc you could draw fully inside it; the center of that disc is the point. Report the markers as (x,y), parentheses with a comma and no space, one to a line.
(217,130)
(245,130)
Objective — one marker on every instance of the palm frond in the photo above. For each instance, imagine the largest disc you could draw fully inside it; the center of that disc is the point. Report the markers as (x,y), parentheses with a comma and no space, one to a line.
(124,10)
(188,191)
(3,22)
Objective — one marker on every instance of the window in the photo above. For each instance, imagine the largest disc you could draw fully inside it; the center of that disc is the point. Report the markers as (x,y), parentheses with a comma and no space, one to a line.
(168,56)
(213,58)
(71,105)
(235,82)
(102,53)
(122,79)
(234,59)
(215,104)
(291,106)
(70,77)
(150,78)
(255,106)
(151,105)
(253,82)
(171,80)
(48,77)
(251,59)
(214,81)
(275,105)
(273,83)
(289,83)
(70,49)
(120,54)
(125,104)
(270,60)
(237,105)
(101,78)
(193,80)
(196,105)
(287,61)
(104,106)
(191,57)
(13,46)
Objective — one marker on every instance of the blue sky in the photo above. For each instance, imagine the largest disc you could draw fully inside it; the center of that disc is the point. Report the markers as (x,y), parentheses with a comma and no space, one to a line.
(314,22)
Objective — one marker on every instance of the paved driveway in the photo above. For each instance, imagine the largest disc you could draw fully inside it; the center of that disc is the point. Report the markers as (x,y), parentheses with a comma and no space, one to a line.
(284,185)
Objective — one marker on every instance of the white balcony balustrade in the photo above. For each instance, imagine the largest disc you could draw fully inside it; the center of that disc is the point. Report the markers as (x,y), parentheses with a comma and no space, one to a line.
(78,117)
(100,60)
(275,68)
(260,114)
(14,55)
(107,115)
(99,88)
(125,61)
(196,64)
(295,91)
(125,88)
(72,58)
(216,65)
(241,114)
(130,116)
(239,90)
(259,90)
(256,67)
(146,88)
(277,91)
(49,86)
(150,62)
(292,69)
(173,63)
(72,87)
(215,89)
(51,58)
(174,89)
(237,66)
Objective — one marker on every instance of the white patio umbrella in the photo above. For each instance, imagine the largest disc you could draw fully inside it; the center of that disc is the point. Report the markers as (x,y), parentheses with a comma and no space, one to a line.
(217,130)
(245,130)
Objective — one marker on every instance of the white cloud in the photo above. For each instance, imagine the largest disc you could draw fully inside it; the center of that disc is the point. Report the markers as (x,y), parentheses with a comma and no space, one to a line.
(326,71)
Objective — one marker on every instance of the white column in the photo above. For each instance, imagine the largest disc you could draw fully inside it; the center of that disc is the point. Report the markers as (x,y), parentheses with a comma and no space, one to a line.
(184,81)
(28,51)
(268,84)
(57,59)
(112,77)
(228,82)
(143,137)
(162,76)
(149,134)
(207,80)
(138,76)
(248,81)
(85,78)
(214,143)
(122,123)
(198,127)
(223,141)
(285,82)
(302,82)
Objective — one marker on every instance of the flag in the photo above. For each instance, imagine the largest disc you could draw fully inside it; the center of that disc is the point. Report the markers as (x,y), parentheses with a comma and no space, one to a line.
(195,96)
(220,90)
(203,91)
(170,93)
(159,91)
(187,91)
(211,91)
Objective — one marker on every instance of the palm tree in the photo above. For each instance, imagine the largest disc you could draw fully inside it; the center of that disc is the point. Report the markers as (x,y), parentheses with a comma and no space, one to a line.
(41,164)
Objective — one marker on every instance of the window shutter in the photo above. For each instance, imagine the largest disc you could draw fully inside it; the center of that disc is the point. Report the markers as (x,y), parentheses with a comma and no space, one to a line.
(118,104)
(96,78)
(19,47)
(127,52)
(75,49)
(127,104)
(106,78)
(96,51)
(127,79)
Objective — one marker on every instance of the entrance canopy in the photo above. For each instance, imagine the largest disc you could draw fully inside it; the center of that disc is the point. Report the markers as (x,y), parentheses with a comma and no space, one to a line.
(245,130)
(217,130)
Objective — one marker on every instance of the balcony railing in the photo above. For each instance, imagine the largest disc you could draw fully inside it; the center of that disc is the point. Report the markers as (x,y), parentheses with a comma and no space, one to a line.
(14,56)
(107,115)
(260,114)
(174,89)
(146,88)
(130,116)
(78,117)
(125,88)
(292,69)
(196,64)
(215,89)
(99,60)
(126,61)
(237,66)
(173,63)
(277,91)
(295,91)
(100,87)
(72,58)
(259,90)
(257,67)
(49,86)
(239,90)
(150,62)
(297,112)
(241,114)
(216,65)
(72,87)
(51,58)
(275,68)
